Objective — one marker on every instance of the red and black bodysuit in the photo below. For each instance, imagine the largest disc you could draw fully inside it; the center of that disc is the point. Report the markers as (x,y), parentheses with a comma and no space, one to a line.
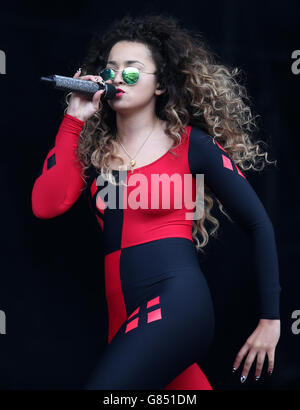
(161,316)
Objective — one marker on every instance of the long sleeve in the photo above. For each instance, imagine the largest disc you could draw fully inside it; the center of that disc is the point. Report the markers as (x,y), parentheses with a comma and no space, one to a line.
(60,183)
(241,202)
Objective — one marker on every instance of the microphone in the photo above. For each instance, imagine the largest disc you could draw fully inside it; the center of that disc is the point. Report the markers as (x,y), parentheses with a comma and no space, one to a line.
(85,87)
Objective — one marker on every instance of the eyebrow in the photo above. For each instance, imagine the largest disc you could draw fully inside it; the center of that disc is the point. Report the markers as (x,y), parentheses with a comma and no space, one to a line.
(127,62)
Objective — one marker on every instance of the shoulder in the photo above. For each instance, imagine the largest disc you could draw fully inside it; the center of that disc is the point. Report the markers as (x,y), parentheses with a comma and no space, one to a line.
(198,136)
(200,139)
(201,144)
(205,154)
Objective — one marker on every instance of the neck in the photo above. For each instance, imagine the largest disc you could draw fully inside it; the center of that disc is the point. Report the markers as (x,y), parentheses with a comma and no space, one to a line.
(133,127)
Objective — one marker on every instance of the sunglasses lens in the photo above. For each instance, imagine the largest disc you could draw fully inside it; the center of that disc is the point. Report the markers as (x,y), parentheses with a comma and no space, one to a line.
(131,75)
(107,74)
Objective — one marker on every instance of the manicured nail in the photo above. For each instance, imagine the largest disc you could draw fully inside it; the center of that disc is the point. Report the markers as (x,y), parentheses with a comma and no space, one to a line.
(256,378)
(233,369)
(243,378)
(79,69)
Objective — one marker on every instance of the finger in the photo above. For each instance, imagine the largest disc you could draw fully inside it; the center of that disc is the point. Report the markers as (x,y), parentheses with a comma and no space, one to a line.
(240,356)
(95,78)
(97,96)
(271,361)
(259,364)
(248,364)
(96,99)
(89,77)
(77,74)
(99,79)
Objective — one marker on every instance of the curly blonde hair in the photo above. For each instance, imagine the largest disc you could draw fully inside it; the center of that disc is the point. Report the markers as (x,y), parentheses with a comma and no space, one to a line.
(200,91)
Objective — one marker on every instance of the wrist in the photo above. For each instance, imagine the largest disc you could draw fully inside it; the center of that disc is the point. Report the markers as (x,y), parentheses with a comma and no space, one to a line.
(78,117)
(269,322)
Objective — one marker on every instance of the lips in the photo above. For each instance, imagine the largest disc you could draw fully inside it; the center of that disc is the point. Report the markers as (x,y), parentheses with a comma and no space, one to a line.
(120,90)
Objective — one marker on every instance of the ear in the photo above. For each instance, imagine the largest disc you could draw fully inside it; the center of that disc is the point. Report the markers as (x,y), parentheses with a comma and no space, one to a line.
(159,90)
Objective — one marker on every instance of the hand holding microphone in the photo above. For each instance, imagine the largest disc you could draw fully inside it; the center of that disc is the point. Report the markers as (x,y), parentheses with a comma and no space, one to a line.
(84,101)
(79,106)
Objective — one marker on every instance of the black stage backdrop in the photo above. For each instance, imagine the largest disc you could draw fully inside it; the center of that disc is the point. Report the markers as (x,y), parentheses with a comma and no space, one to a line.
(52,283)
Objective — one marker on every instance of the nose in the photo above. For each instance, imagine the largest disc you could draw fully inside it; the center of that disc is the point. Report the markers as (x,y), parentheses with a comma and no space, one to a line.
(118,77)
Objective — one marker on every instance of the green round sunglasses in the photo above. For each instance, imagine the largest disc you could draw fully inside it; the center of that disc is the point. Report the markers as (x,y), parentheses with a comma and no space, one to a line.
(130,74)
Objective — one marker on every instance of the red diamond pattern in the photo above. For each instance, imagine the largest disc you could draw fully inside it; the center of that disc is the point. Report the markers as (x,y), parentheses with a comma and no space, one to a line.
(151,316)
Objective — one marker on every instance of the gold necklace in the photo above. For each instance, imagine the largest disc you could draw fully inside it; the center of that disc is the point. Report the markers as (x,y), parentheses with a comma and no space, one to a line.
(132,161)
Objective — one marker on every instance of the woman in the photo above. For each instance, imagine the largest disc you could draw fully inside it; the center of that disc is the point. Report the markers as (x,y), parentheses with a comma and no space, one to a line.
(178,112)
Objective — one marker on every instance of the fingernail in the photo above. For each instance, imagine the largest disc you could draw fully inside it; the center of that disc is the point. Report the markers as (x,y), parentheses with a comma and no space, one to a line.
(243,378)
(233,369)
(79,69)
(270,372)
(257,377)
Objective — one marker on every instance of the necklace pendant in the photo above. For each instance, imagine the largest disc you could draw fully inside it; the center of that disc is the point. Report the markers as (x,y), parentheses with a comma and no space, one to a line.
(132,162)
(130,169)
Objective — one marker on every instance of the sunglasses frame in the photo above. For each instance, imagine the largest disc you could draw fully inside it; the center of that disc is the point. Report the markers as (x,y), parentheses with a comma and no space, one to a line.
(123,75)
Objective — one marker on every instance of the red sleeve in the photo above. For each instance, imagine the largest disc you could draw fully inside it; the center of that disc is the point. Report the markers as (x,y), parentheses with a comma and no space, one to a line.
(60,183)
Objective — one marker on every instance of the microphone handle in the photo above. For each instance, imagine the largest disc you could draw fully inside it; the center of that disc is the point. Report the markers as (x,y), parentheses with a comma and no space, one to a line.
(85,87)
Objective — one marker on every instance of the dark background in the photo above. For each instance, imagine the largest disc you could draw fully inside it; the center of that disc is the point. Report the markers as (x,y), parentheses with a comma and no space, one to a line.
(52,283)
